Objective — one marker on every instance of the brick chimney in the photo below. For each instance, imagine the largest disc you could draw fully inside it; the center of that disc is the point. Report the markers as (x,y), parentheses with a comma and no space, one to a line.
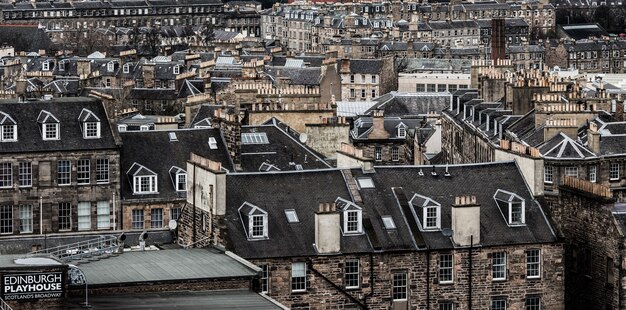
(593,138)
(228,120)
(148,75)
(554,126)
(465,220)
(327,229)
(378,126)
(345,66)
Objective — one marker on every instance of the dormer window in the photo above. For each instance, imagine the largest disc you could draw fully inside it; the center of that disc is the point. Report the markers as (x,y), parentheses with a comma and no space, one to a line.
(176,69)
(45,66)
(110,66)
(121,128)
(8,128)
(126,68)
(143,180)
(512,206)
(61,65)
(254,220)
(90,124)
(401,130)
(49,126)
(179,178)
(427,211)
(352,216)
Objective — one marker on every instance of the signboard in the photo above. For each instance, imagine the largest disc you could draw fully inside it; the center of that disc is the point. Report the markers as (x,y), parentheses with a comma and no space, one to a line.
(32,286)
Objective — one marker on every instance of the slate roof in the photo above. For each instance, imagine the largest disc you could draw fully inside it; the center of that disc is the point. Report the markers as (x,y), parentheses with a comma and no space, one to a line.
(27,38)
(364,124)
(410,104)
(394,187)
(563,147)
(67,111)
(284,150)
(154,150)
(298,76)
(366,66)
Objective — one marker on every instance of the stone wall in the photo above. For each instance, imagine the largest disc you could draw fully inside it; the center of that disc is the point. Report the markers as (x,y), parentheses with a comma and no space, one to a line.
(327,138)
(295,119)
(147,208)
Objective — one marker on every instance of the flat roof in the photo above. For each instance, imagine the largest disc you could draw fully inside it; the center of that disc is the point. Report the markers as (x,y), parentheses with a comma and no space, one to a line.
(227,299)
(164,265)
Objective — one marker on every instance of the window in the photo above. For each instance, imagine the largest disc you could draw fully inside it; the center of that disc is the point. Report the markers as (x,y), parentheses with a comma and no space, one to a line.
(373,93)
(137,219)
(571,171)
(352,93)
(441,88)
(298,277)
(254,138)
(351,273)
(593,173)
(65,216)
(388,222)
(352,78)
(176,69)
(213,143)
(258,226)
(399,286)
(292,216)
(265,278)
(63,172)
(122,128)
(110,66)
(401,131)
(126,68)
(145,184)
(378,153)
(26,218)
(156,218)
(532,303)
(6,219)
(395,154)
(498,304)
(6,175)
(445,268)
(498,266)
(9,133)
(363,93)
(373,79)
(533,264)
(84,215)
(430,88)
(420,88)
(91,130)
(102,170)
(431,218)
(174,214)
(614,172)
(548,175)
(103,210)
(51,131)
(26,174)
(45,66)
(352,221)
(446,305)
(82,171)
(181,182)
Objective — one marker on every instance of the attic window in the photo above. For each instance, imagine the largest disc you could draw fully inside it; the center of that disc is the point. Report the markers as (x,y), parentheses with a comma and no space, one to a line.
(121,128)
(143,180)
(90,124)
(110,66)
(61,65)
(352,217)
(212,143)
(172,136)
(126,68)
(427,211)
(401,130)
(176,69)
(45,66)
(179,178)
(292,216)
(512,206)
(254,220)
(49,125)
(254,138)
(8,128)
(388,222)
(365,183)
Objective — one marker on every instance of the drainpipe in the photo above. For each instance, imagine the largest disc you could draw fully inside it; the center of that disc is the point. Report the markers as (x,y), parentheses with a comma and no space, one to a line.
(470,271)
(194,203)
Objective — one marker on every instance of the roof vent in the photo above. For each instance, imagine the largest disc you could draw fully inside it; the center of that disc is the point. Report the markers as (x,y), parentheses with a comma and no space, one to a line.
(447,174)
(421,173)
(433,173)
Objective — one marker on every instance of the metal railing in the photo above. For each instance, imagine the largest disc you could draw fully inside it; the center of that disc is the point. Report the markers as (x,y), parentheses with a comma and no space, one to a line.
(101,246)
(4,305)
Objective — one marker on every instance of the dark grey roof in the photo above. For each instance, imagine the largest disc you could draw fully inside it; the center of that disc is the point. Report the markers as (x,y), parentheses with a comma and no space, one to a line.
(363,125)
(366,66)
(284,150)
(410,104)
(563,147)
(66,110)
(298,76)
(155,151)
(27,38)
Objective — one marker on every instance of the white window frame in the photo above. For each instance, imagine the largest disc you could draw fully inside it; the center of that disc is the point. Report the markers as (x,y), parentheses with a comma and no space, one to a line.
(495,304)
(25,175)
(102,170)
(26,218)
(110,66)
(6,219)
(63,208)
(252,225)
(548,174)
(6,175)
(65,176)
(498,266)
(399,286)
(571,171)
(443,278)
(91,130)
(126,68)
(152,184)
(350,275)
(426,217)
(83,171)
(8,135)
(212,143)
(298,273)
(348,223)
(84,215)
(45,66)
(103,211)
(378,153)
(593,174)
(181,179)
(531,266)
(614,172)
(176,70)
(536,303)
(401,131)
(50,131)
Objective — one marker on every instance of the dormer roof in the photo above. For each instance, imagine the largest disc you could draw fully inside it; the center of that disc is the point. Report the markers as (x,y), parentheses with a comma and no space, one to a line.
(563,147)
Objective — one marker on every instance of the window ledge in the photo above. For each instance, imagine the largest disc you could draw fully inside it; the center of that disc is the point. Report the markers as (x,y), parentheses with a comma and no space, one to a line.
(498,280)
(446,282)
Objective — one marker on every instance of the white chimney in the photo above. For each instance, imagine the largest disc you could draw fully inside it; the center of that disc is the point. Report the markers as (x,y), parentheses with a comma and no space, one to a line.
(327,229)
(466,221)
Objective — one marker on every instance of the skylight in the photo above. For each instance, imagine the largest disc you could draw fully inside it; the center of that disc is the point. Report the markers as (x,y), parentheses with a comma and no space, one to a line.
(365,183)
(254,138)
(212,143)
(173,136)
(388,222)
(292,216)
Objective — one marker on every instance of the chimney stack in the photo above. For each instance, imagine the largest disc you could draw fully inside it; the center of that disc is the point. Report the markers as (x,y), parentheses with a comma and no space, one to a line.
(466,221)
(327,229)
(378,126)
(593,138)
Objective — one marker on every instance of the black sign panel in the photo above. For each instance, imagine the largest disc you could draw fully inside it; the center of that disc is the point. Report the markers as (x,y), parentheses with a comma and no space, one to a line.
(32,286)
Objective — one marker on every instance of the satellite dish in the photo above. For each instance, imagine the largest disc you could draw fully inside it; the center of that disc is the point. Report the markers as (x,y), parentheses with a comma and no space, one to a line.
(303,137)
(173,224)
(447,232)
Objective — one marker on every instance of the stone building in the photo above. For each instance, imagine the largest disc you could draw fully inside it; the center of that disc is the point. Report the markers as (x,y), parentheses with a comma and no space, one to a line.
(59,167)
(381,237)
(366,79)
